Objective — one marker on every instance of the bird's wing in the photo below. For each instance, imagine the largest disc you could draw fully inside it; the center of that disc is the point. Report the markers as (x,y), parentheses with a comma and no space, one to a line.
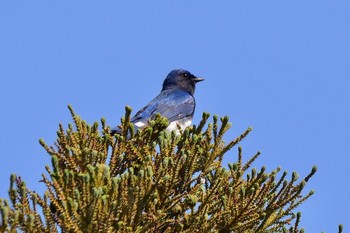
(172,104)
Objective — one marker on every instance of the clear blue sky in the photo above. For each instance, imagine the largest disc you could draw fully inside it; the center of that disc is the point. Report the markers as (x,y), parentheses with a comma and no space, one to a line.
(282,67)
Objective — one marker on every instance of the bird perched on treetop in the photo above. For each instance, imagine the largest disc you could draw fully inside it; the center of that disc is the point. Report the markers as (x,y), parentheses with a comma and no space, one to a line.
(175,102)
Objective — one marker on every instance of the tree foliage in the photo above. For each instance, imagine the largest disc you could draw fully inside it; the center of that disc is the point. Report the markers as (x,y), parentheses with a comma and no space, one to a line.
(153,181)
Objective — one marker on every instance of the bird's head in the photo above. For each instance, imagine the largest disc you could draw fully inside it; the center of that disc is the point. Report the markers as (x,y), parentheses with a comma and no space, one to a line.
(181,79)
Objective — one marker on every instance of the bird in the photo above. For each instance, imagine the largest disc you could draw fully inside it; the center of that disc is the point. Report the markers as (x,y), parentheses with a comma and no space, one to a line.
(175,102)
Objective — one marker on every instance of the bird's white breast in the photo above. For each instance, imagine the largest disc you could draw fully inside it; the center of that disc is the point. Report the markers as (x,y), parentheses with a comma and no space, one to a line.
(183,123)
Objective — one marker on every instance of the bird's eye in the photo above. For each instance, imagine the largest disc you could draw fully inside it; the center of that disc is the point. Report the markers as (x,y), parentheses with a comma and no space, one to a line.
(185,75)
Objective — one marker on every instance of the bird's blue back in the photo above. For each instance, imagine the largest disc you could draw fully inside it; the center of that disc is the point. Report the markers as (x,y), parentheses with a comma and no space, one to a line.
(173,104)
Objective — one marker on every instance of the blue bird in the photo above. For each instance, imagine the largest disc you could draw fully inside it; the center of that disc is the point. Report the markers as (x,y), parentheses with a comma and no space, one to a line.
(175,102)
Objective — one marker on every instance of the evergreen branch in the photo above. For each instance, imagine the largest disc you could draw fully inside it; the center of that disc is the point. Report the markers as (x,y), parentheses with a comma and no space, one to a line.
(153,181)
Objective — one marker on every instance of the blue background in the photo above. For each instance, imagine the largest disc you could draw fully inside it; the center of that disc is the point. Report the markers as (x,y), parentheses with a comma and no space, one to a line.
(281,67)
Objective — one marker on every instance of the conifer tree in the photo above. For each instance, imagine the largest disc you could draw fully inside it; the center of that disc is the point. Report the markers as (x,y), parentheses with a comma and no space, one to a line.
(153,181)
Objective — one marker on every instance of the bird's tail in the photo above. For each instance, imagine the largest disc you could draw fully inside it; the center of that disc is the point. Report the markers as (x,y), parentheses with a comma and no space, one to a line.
(115,130)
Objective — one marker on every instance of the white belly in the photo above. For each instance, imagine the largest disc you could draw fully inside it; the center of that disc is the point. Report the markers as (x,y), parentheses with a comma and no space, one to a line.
(183,123)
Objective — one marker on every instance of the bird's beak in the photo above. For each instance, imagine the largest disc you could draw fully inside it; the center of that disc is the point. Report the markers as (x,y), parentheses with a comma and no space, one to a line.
(197,79)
